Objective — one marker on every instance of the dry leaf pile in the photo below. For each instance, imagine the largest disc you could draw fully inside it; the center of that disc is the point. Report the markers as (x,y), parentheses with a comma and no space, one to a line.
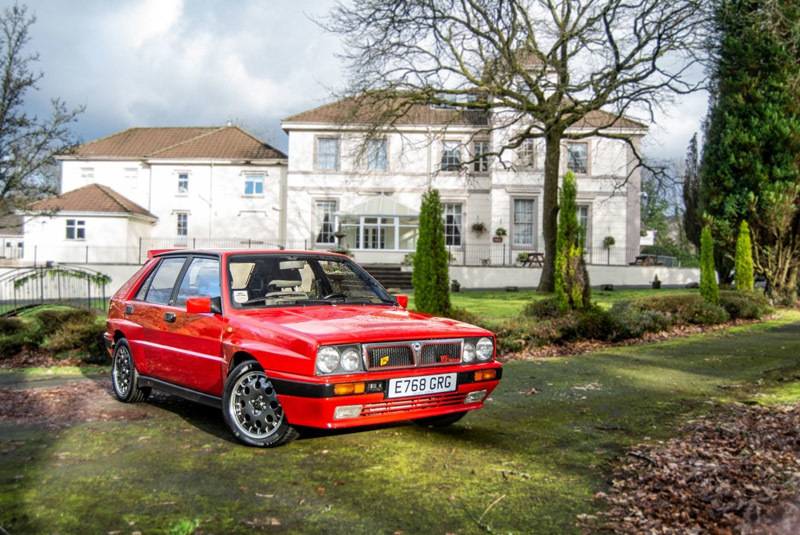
(738,473)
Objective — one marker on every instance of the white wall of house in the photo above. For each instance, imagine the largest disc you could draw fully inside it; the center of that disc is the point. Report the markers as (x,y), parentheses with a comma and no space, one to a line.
(607,192)
(215,202)
(105,238)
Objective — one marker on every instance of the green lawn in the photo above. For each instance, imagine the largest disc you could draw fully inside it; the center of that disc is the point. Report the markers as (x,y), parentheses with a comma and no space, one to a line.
(528,463)
(498,304)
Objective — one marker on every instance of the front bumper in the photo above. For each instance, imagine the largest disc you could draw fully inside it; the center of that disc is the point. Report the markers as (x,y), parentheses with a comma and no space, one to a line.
(314,405)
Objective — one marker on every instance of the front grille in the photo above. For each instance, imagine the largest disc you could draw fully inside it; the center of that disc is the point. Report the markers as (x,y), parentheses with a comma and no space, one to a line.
(440,353)
(393,406)
(393,356)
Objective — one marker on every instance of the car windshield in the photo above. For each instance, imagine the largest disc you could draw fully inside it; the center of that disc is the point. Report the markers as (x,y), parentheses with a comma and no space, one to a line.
(272,279)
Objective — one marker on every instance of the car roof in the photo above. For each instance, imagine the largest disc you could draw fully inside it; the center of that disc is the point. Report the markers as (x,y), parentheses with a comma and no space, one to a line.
(229,252)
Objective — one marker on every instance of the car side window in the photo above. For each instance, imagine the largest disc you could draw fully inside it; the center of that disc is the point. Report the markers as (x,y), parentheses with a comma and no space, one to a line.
(163,282)
(200,280)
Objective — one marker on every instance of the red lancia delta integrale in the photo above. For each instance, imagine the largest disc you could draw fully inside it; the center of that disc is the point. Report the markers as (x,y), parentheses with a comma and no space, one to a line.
(281,339)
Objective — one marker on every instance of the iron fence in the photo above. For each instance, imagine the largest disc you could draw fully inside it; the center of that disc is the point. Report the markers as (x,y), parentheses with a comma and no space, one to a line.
(33,286)
(470,254)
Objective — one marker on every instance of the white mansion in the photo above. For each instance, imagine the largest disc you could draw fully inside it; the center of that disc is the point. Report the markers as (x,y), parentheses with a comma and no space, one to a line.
(220,187)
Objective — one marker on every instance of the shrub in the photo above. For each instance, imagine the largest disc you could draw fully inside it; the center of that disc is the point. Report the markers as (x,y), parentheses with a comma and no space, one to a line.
(13,325)
(676,306)
(462,314)
(744,305)
(630,321)
(430,276)
(744,259)
(705,313)
(541,308)
(86,338)
(594,324)
(571,278)
(708,279)
(11,344)
(50,321)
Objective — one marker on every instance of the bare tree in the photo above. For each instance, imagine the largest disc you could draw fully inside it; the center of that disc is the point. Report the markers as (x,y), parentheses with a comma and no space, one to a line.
(543,66)
(27,143)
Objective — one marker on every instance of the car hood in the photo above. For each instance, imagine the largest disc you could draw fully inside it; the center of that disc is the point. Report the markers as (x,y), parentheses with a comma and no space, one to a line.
(343,324)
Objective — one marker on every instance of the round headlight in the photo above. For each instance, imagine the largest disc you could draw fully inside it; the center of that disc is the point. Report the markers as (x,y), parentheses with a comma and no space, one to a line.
(327,359)
(469,352)
(351,360)
(485,349)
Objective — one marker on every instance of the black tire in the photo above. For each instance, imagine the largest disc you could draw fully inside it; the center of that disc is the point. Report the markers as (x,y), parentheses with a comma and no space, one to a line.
(440,421)
(251,408)
(124,376)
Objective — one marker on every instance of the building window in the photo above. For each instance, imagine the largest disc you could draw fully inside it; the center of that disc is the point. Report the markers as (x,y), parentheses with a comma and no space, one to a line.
(183,183)
(87,174)
(577,157)
(254,184)
(451,156)
(183,224)
(583,221)
(480,150)
(76,229)
(376,155)
(526,154)
(130,175)
(524,221)
(452,224)
(325,211)
(328,154)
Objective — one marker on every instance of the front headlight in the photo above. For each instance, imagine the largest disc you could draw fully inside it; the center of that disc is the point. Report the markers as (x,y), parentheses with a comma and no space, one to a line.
(327,359)
(469,352)
(485,349)
(351,360)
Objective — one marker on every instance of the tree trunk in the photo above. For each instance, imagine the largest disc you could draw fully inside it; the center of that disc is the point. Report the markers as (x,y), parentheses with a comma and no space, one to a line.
(552,161)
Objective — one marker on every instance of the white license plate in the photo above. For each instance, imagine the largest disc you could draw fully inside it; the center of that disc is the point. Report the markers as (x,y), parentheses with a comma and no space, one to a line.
(422,386)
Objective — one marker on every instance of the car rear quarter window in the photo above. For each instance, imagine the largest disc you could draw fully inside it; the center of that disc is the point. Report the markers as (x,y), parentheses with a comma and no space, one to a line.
(160,289)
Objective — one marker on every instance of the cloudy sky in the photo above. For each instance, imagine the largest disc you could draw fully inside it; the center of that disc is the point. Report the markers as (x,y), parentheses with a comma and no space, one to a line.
(203,62)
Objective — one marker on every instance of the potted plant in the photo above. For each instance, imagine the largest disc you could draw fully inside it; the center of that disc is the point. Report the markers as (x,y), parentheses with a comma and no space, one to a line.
(455,286)
(522,257)
(608,243)
(479,227)
(498,234)
(656,283)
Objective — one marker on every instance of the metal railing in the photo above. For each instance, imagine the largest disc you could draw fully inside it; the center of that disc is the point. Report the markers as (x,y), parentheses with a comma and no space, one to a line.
(504,254)
(32,286)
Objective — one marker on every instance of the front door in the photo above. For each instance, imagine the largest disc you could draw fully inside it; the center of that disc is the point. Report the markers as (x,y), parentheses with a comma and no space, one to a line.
(192,343)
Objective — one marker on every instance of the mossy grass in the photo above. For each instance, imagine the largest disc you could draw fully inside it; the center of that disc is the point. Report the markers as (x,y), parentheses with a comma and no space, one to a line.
(539,451)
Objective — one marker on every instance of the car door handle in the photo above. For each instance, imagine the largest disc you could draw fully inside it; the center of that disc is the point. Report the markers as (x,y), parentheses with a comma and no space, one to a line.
(169,317)
(128,309)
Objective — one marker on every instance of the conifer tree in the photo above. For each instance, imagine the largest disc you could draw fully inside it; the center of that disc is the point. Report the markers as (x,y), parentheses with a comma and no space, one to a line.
(708,275)
(572,279)
(744,259)
(431,272)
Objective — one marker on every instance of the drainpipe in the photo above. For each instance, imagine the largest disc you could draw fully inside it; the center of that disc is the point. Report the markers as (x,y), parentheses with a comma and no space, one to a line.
(210,197)
(430,156)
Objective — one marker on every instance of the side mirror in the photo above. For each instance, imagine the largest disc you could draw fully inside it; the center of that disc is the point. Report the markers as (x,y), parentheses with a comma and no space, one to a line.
(402,301)
(203,305)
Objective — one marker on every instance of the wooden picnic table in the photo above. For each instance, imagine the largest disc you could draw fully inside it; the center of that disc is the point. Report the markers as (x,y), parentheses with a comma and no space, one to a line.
(534,259)
(646,260)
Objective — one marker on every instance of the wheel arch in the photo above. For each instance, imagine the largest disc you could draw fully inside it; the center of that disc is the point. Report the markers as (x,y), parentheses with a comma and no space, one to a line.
(238,358)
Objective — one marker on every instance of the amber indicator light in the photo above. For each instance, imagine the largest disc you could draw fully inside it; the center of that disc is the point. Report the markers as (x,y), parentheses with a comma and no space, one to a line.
(485,375)
(346,389)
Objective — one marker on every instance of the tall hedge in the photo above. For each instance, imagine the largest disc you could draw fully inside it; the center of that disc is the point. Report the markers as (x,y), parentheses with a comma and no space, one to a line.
(571,278)
(744,259)
(431,272)
(708,275)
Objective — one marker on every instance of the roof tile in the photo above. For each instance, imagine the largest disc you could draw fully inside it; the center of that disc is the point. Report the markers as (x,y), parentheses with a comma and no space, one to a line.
(91,198)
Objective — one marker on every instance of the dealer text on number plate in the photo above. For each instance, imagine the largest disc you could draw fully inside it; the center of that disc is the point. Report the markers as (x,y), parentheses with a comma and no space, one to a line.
(422,386)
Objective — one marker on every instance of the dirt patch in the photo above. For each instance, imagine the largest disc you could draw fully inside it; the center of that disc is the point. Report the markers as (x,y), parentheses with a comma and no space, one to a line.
(38,358)
(60,406)
(736,472)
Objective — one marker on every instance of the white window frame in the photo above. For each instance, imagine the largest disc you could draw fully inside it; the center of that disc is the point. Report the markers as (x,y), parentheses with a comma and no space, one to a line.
(480,148)
(183,182)
(182,227)
(526,154)
(572,163)
(451,156)
(131,176)
(336,166)
(256,179)
(456,211)
(377,154)
(319,211)
(78,228)
(87,174)
(516,224)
